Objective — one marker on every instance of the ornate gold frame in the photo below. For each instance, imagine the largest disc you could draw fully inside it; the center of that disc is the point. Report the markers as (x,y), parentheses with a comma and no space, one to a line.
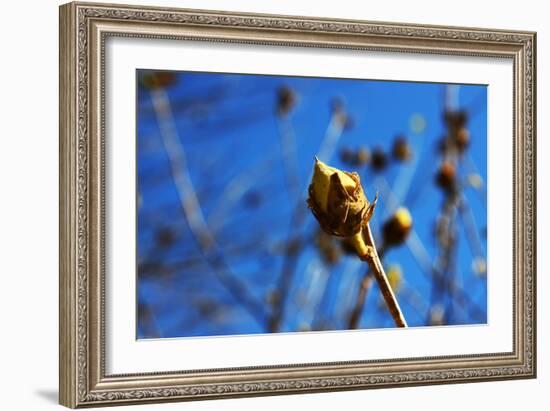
(83,30)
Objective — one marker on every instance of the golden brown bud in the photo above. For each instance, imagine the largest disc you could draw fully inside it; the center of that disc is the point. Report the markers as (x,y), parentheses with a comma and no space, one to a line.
(340,114)
(347,156)
(379,159)
(462,139)
(357,158)
(455,119)
(166,237)
(337,201)
(158,79)
(401,150)
(479,266)
(363,156)
(445,177)
(397,228)
(286,99)
(395,277)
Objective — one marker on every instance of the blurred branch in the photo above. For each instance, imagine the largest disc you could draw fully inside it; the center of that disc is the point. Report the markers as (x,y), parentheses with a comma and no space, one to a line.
(347,289)
(427,267)
(403,181)
(364,287)
(481,190)
(317,276)
(232,249)
(414,299)
(446,235)
(148,326)
(192,210)
(325,152)
(470,225)
(238,187)
(288,151)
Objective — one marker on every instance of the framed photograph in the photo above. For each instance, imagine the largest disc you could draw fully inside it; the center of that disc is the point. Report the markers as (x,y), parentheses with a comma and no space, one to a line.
(259,204)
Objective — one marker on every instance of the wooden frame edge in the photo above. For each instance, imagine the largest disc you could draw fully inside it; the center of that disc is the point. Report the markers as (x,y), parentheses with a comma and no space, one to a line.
(67,195)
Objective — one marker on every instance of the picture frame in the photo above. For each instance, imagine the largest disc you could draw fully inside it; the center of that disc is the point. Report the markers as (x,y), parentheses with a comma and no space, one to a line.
(85,28)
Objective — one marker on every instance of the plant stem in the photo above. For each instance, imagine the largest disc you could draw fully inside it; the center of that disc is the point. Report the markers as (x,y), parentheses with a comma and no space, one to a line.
(364,287)
(367,252)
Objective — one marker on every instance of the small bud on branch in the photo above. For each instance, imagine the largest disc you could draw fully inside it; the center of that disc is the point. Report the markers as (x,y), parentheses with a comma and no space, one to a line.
(338,202)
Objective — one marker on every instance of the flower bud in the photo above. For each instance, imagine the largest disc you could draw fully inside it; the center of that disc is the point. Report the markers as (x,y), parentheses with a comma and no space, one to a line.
(417,123)
(286,99)
(293,247)
(166,237)
(337,201)
(379,159)
(401,150)
(357,158)
(446,176)
(455,119)
(363,156)
(395,277)
(475,180)
(479,266)
(462,139)
(347,156)
(273,297)
(443,145)
(341,116)
(336,105)
(159,79)
(397,227)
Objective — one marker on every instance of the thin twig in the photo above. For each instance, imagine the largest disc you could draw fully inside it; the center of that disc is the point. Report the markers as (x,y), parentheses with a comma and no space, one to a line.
(470,164)
(446,234)
(346,289)
(373,260)
(364,288)
(317,278)
(470,225)
(288,152)
(402,183)
(237,188)
(424,261)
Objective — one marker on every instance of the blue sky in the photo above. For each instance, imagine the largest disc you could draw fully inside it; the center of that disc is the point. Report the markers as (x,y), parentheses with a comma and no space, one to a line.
(228,127)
